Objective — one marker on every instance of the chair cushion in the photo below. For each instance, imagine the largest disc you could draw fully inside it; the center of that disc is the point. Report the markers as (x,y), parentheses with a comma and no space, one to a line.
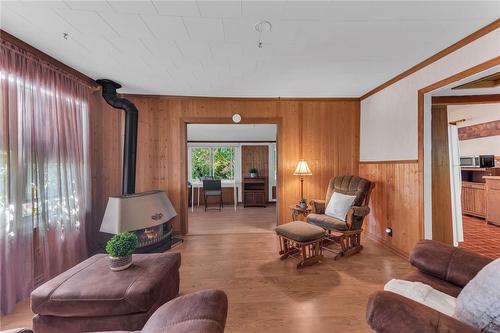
(91,289)
(300,231)
(339,205)
(327,222)
(213,192)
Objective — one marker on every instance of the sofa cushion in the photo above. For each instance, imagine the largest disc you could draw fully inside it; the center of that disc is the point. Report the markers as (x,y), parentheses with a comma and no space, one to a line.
(453,264)
(479,302)
(300,231)
(438,284)
(203,311)
(327,222)
(91,289)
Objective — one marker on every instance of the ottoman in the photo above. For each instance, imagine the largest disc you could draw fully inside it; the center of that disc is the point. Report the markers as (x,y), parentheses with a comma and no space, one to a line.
(301,239)
(91,297)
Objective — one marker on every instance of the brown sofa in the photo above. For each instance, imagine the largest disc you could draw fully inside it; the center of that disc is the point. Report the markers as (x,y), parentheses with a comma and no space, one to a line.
(200,312)
(445,268)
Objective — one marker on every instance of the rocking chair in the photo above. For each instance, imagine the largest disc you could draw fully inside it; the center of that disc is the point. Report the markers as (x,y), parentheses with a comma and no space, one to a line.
(345,233)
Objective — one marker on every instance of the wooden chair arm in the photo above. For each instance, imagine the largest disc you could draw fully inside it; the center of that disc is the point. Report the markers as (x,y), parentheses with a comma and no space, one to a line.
(318,206)
(360,211)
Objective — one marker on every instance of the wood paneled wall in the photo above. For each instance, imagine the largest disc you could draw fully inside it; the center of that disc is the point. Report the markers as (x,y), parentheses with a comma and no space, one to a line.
(394,203)
(256,157)
(324,132)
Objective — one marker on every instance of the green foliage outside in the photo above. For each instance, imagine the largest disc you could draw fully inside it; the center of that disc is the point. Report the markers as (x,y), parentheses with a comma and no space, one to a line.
(122,245)
(214,162)
(223,158)
(200,159)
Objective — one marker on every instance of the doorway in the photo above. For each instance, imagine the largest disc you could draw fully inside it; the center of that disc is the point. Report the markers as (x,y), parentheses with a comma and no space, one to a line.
(231,178)
(465,152)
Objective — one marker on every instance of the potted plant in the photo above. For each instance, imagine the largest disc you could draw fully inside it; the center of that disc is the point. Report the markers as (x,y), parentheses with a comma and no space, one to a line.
(120,249)
(253,172)
(303,203)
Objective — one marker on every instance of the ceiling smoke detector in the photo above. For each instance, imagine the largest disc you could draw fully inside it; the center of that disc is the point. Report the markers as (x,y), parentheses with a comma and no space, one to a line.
(260,27)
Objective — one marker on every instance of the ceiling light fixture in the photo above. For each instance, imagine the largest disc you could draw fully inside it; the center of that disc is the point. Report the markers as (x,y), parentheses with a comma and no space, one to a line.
(260,27)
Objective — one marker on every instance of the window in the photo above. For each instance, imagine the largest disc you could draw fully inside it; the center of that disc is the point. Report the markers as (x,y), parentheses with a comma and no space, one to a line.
(216,162)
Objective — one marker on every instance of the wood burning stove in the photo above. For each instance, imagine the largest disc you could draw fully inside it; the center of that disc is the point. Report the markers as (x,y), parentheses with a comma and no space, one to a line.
(147,214)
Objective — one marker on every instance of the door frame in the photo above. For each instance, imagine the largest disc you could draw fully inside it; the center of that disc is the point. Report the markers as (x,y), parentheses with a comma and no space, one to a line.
(424,148)
(184,121)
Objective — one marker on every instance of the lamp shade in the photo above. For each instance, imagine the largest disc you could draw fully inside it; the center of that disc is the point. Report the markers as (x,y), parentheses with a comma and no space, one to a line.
(137,211)
(302,169)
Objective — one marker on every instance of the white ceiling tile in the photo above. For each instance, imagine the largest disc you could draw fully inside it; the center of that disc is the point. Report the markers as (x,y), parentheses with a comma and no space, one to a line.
(193,50)
(263,9)
(88,5)
(166,27)
(219,8)
(226,50)
(177,8)
(126,25)
(36,4)
(306,9)
(204,29)
(87,22)
(314,49)
(133,7)
(240,30)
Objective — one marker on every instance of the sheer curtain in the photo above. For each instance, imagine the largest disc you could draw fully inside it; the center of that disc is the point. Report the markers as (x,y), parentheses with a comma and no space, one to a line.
(44,172)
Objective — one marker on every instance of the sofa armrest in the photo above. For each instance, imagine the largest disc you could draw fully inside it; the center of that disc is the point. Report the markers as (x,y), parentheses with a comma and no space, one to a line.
(452,264)
(318,206)
(389,312)
(200,312)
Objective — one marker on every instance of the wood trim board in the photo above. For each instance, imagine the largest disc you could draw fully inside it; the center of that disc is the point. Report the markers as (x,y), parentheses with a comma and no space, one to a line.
(466,99)
(450,49)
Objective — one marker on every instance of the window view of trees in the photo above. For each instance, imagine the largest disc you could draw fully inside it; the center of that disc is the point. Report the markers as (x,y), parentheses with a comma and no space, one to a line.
(216,162)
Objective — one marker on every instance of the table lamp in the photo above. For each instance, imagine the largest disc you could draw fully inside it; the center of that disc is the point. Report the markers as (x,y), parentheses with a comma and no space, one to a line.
(302,170)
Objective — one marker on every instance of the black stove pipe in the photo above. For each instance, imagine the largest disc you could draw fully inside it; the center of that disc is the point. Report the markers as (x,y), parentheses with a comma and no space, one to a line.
(130,138)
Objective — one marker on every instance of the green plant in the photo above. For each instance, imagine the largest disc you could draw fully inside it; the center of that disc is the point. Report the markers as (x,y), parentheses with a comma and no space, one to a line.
(303,200)
(122,245)
(252,170)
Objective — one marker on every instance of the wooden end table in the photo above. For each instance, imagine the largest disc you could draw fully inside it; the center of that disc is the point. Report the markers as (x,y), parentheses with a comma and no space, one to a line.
(297,211)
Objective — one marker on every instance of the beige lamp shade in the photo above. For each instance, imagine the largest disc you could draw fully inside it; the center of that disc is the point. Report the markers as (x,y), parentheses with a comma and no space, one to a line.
(302,169)
(137,211)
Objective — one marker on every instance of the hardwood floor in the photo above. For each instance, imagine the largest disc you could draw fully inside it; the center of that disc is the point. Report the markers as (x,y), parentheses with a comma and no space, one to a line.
(481,237)
(269,295)
(229,221)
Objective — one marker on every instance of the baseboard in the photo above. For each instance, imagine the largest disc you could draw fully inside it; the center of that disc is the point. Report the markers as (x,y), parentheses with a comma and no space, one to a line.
(387,245)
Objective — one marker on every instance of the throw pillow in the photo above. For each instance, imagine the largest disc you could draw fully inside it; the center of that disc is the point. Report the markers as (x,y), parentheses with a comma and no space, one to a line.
(339,204)
(478,304)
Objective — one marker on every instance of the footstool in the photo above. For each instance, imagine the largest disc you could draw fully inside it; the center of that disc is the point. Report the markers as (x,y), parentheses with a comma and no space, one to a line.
(90,297)
(301,239)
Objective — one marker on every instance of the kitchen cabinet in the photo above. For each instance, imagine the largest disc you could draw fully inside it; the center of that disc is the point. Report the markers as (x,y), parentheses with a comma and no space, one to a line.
(474,199)
(493,199)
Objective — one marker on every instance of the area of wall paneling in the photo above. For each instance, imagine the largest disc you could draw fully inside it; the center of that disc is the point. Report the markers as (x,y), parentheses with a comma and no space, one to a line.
(325,132)
(394,203)
(255,157)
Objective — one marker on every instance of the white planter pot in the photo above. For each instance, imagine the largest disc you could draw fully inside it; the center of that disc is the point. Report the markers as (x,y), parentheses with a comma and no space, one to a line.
(253,175)
(120,263)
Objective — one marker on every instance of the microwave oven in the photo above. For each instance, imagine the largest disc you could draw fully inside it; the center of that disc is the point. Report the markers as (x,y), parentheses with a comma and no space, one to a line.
(478,161)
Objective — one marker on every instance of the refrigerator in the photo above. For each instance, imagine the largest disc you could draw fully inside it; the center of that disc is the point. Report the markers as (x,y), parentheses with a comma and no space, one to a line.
(456,185)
